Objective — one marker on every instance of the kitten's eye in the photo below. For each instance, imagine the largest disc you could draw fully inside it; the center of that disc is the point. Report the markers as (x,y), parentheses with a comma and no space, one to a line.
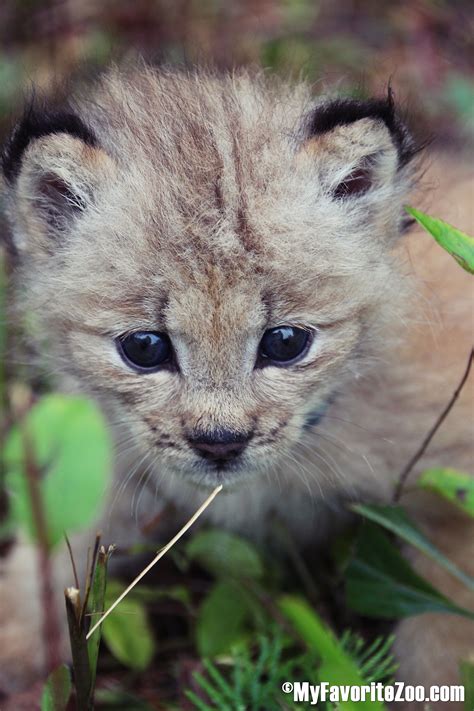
(283,344)
(145,350)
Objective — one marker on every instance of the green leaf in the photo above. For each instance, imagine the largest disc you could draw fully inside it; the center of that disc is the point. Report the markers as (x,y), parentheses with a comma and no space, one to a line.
(466,669)
(57,690)
(337,667)
(222,619)
(455,486)
(225,554)
(394,519)
(381,583)
(457,243)
(126,630)
(71,449)
(96,606)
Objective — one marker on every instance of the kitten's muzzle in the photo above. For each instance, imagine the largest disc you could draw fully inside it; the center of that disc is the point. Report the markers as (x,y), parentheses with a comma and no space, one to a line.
(220,445)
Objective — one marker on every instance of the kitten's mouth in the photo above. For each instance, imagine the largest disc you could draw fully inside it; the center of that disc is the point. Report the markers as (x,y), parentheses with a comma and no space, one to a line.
(220,467)
(226,472)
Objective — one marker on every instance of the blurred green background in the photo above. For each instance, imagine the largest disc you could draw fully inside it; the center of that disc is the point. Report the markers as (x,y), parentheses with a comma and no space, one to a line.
(424,46)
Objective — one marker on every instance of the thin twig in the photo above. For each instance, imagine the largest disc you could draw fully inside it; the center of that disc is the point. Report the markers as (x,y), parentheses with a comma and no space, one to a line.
(73,562)
(424,445)
(155,560)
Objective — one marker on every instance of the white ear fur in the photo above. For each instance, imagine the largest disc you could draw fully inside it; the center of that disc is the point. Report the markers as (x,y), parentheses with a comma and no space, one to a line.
(58,180)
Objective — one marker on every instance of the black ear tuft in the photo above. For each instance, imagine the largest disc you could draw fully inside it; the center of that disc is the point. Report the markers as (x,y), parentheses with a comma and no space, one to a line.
(341,112)
(36,123)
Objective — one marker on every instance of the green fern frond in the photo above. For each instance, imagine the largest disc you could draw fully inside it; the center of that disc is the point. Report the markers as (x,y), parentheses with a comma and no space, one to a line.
(254,680)
(375,660)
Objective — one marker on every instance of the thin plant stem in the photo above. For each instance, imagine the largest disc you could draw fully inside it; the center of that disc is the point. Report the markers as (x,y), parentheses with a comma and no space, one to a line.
(424,445)
(155,560)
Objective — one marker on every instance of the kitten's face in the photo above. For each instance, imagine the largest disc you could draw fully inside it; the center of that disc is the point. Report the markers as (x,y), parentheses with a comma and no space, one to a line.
(217,297)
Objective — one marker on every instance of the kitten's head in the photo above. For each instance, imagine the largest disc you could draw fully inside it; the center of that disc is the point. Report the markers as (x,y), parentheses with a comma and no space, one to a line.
(210,257)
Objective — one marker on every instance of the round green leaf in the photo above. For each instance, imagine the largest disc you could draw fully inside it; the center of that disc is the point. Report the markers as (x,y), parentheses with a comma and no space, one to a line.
(222,619)
(126,630)
(71,450)
(225,554)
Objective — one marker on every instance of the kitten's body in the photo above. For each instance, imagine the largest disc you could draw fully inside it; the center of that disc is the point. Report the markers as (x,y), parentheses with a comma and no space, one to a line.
(213,209)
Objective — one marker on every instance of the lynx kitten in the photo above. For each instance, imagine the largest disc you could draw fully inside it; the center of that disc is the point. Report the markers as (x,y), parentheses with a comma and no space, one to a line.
(217,260)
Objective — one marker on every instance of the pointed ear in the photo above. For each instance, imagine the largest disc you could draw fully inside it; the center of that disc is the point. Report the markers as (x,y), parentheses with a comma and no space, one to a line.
(53,168)
(357,146)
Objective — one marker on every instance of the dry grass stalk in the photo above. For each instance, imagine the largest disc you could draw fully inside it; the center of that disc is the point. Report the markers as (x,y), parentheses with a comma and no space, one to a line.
(155,560)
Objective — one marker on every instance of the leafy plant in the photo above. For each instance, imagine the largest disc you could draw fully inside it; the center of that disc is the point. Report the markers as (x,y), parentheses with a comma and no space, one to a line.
(381,583)
(336,665)
(79,608)
(457,243)
(253,681)
(395,519)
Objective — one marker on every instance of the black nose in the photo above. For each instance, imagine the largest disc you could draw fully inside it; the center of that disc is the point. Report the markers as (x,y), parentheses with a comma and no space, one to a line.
(219,445)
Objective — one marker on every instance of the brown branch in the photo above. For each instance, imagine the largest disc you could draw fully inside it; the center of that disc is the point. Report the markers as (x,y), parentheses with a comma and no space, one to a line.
(424,445)
(51,630)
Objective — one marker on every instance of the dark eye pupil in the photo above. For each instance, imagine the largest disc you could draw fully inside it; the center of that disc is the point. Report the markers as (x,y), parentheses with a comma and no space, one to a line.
(146,349)
(284,343)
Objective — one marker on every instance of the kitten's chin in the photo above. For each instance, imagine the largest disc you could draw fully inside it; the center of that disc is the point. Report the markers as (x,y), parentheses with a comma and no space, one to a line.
(231,475)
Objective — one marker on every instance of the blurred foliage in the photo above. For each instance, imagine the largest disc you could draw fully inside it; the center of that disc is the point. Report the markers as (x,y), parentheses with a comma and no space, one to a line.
(63,443)
(425,47)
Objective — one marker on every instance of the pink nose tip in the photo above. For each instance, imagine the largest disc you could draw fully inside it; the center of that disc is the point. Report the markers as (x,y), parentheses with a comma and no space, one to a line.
(219,445)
